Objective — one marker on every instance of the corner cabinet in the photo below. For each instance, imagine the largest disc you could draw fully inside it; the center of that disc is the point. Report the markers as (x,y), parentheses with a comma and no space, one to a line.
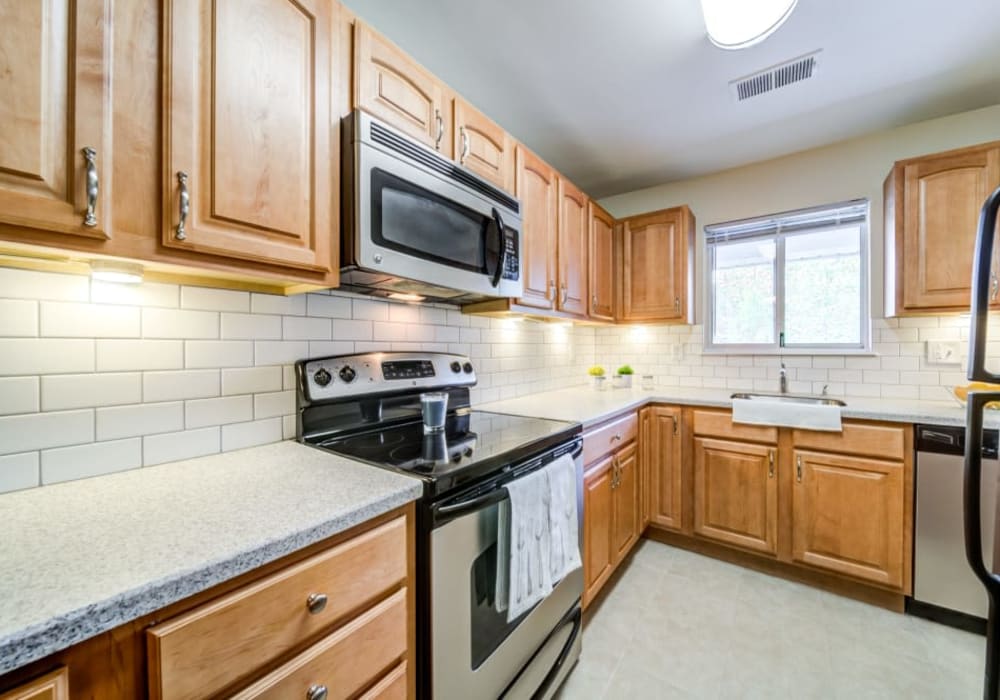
(248,153)
(932,206)
(55,106)
(657,267)
(574,241)
(602,264)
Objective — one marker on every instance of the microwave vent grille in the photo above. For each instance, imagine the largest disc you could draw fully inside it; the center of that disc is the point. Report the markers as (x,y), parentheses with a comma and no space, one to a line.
(392,141)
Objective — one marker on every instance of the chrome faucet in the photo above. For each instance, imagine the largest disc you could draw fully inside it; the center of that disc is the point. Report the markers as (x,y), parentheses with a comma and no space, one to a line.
(782,379)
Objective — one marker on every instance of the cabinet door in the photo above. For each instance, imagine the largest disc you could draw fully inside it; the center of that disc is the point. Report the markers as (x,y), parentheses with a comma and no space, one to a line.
(736,493)
(627,509)
(574,241)
(847,516)
(538,192)
(247,132)
(646,464)
(602,264)
(482,146)
(51,686)
(942,197)
(598,556)
(55,112)
(398,90)
(656,266)
(665,467)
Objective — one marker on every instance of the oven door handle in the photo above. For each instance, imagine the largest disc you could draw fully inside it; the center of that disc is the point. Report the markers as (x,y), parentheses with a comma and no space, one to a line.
(576,619)
(453,510)
(501,244)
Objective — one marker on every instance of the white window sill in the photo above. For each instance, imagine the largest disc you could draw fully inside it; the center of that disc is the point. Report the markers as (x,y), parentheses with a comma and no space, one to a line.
(790,352)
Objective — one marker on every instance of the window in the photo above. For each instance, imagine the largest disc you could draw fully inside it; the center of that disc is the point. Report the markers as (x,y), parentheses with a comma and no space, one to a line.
(795,281)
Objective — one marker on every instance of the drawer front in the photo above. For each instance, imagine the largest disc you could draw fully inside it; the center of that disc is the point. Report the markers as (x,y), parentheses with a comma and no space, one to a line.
(392,687)
(207,649)
(609,437)
(720,424)
(887,441)
(344,662)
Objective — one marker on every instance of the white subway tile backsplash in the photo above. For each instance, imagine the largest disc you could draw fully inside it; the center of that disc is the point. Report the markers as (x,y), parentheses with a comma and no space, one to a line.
(45,355)
(179,323)
(18,395)
(170,447)
(319,305)
(227,409)
(130,355)
(389,332)
(18,318)
(305,328)
(173,386)
(35,431)
(404,313)
(274,304)
(280,352)
(370,310)
(19,471)
(141,419)
(322,348)
(352,330)
(63,391)
(279,403)
(252,380)
(250,327)
(202,354)
(259,432)
(208,299)
(82,461)
(146,294)
(29,284)
(66,320)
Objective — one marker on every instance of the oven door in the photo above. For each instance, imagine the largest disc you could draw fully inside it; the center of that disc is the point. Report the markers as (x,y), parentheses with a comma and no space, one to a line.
(475,652)
(420,224)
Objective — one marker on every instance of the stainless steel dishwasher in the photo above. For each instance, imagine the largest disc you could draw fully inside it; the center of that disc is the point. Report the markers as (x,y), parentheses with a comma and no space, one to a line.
(944,587)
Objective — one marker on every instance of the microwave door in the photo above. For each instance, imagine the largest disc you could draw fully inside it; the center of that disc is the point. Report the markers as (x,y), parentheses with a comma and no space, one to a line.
(982,280)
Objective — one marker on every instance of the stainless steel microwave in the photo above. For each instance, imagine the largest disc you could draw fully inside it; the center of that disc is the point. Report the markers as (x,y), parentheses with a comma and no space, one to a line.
(416,223)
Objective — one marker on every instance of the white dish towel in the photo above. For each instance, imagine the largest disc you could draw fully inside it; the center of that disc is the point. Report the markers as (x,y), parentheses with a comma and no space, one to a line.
(543,534)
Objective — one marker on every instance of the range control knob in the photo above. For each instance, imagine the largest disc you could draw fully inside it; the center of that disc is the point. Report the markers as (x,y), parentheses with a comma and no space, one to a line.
(467,367)
(347,374)
(322,377)
(456,367)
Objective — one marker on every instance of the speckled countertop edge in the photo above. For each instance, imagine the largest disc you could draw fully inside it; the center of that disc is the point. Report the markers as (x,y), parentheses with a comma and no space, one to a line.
(75,624)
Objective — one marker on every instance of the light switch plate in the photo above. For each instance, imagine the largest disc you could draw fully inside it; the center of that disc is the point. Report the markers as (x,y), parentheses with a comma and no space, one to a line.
(944,352)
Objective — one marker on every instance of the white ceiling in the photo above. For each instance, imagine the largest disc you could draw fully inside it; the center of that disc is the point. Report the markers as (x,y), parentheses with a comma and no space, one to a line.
(627,94)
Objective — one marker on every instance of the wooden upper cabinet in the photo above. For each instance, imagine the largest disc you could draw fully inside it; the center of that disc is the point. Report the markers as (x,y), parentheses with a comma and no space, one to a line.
(848,516)
(932,207)
(482,146)
(537,189)
(574,241)
(51,686)
(736,494)
(598,552)
(627,507)
(657,267)
(248,150)
(602,264)
(664,450)
(55,115)
(399,91)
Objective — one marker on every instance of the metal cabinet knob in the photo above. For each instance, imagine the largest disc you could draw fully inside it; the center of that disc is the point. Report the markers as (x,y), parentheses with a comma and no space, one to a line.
(92,185)
(316,602)
(317,692)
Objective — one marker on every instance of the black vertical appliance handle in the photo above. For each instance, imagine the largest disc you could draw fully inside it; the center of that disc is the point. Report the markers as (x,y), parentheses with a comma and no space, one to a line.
(501,243)
(977,401)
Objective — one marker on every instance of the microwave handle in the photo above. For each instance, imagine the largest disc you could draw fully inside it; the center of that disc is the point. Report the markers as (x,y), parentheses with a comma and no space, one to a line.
(501,243)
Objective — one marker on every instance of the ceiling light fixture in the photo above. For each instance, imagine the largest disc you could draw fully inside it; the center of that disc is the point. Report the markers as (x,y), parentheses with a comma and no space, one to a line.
(115,271)
(737,24)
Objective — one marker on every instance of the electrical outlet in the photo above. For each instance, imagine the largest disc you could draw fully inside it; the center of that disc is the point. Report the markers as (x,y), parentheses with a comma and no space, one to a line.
(944,352)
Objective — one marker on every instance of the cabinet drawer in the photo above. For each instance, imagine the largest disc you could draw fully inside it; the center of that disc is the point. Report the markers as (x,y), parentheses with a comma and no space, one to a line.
(609,436)
(720,424)
(51,686)
(344,662)
(392,687)
(207,649)
(869,439)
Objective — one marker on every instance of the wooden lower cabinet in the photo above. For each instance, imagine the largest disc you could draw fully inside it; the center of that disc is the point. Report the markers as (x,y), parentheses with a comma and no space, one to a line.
(598,554)
(847,516)
(736,493)
(626,507)
(662,445)
(51,686)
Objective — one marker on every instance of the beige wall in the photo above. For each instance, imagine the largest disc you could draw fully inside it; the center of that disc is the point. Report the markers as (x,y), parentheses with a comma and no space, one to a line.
(845,170)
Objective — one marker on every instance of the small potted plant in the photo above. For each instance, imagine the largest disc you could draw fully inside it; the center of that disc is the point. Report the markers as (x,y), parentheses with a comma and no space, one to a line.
(623,378)
(597,377)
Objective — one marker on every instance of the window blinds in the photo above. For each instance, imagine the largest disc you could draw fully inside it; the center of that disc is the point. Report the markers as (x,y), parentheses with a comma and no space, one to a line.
(854,211)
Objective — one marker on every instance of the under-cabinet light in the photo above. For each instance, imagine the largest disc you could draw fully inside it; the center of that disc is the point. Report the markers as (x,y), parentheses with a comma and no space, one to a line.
(114,271)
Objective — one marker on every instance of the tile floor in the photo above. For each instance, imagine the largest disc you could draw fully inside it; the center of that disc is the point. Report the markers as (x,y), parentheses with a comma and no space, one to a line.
(680,625)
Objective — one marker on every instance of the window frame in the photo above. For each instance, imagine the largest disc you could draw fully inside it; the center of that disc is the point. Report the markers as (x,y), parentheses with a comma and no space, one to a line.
(779,237)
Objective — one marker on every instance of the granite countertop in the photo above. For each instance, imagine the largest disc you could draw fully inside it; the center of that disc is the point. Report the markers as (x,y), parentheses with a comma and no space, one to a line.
(585,405)
(80,558)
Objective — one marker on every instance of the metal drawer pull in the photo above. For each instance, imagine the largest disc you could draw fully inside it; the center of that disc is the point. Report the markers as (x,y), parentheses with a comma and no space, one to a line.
(617,437)
(185,205)
(798,469)
(565,293)
(770,464)
(316,692)
(316,602)
(677,304)
(551,295)
(674,419)
(90,156)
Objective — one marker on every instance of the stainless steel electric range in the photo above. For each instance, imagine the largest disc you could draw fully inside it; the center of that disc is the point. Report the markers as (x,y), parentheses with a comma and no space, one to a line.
(367,407)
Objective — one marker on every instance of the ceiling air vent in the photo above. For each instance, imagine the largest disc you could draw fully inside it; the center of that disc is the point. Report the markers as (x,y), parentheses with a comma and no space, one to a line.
(793,71)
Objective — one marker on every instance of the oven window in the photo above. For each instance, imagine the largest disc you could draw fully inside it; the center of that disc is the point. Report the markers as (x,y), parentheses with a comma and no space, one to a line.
(418,222)
(489,627)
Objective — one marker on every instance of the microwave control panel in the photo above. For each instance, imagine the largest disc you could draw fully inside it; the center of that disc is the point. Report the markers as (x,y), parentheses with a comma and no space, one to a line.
(511,265)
